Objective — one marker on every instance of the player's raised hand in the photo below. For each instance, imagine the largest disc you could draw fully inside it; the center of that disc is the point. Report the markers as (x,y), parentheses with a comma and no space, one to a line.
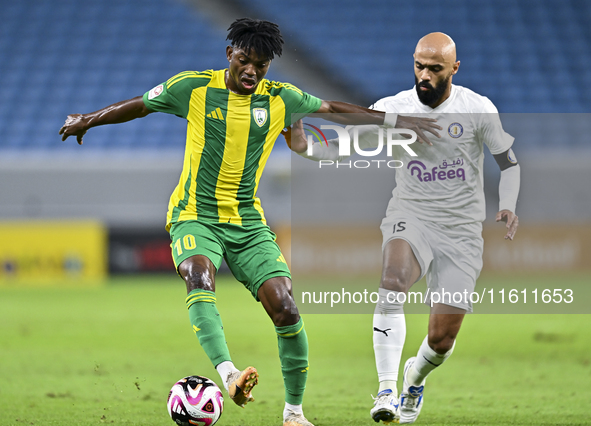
(296,137)
(419,125)
(511,220)
(75,125)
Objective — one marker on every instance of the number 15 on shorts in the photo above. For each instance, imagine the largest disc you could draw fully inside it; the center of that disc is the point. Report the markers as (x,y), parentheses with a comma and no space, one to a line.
(399,227)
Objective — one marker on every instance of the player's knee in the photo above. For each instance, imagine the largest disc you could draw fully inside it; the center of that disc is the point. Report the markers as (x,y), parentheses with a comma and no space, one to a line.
(395,283)
(284,310)
(197,276)
(281,307)
(390,302)
(441,342)
(285,317)
(277,298)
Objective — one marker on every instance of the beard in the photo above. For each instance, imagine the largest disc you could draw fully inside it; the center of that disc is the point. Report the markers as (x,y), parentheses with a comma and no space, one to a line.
(434,94)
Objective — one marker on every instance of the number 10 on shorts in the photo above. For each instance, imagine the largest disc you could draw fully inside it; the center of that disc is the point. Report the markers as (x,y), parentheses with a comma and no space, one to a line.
(188,243)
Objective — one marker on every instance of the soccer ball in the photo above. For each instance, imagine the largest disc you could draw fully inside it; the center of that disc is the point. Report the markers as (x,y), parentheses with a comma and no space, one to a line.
(195,401)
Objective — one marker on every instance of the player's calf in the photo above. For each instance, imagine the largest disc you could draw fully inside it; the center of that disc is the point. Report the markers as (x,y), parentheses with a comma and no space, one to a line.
(416,370)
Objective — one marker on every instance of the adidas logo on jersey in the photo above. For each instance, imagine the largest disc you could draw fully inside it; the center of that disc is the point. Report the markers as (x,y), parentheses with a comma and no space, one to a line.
(216,113)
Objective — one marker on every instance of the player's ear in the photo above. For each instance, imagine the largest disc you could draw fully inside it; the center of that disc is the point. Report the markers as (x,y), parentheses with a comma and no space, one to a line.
(455,68)
(229,51)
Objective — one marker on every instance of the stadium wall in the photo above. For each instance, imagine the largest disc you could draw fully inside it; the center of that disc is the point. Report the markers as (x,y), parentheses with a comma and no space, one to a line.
(130,198)
(125,193)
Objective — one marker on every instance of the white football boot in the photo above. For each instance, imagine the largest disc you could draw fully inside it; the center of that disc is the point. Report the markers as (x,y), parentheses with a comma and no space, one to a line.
(411,398)
(296,419)
(385,407)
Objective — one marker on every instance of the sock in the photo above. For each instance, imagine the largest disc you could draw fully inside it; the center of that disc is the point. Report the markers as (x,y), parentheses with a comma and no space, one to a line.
(293,354)
(387,385)
(292,408)
(389,333)
(207,325)
(427,361)
(225,368)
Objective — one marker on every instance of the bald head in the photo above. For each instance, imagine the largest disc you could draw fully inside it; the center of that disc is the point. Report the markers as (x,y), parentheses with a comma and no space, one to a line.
(435,64)
(437,45)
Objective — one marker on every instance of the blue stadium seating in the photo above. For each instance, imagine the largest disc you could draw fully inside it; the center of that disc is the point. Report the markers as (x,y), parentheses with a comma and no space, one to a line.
(64,56)
(526,56)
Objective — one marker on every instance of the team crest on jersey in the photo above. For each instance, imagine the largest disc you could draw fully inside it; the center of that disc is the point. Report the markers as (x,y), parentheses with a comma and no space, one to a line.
(455,130)
(156,91)
(511,157)
(260,116)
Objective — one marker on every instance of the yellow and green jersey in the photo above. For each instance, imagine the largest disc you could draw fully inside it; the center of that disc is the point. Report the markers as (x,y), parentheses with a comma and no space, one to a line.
(229,139)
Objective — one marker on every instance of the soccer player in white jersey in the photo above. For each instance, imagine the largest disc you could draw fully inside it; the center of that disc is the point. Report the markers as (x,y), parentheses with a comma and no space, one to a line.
(433,223)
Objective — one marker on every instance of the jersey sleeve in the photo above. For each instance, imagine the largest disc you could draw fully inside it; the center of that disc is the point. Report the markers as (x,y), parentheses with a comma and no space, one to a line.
(491,130)
(379,105)
(298,102)
(171,97)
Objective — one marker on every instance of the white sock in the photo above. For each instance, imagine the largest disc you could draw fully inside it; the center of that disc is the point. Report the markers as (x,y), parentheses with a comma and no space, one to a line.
(292,408)
(427,360)
(389,333)
(225,368)
(388,385)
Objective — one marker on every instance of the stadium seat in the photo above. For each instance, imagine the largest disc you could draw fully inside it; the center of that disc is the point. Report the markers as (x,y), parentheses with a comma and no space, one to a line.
(67,56)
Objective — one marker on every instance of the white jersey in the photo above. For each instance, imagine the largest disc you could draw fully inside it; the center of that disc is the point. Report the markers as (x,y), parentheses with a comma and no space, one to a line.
(444,182)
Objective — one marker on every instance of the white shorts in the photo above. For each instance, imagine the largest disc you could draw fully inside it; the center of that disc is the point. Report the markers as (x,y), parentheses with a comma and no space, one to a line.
(450,256)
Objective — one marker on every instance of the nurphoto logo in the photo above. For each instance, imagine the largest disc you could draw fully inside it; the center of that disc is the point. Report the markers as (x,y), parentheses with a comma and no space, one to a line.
(393,137)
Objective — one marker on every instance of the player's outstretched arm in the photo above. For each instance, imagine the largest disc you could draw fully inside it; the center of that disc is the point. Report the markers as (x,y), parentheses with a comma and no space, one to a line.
(508,191)
(511,220)
(78,124)
(297,142)
(345,113)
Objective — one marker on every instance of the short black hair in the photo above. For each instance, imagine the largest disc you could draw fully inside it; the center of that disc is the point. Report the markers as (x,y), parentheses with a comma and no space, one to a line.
(262,36)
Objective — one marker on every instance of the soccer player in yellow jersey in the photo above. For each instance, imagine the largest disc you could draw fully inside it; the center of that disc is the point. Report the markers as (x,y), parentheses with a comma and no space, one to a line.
(234,117)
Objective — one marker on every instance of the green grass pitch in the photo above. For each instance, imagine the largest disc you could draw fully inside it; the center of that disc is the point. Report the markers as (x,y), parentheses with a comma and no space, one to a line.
(109,355)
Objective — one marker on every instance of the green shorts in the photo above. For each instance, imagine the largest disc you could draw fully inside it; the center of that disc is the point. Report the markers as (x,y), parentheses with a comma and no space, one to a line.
(250,250)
